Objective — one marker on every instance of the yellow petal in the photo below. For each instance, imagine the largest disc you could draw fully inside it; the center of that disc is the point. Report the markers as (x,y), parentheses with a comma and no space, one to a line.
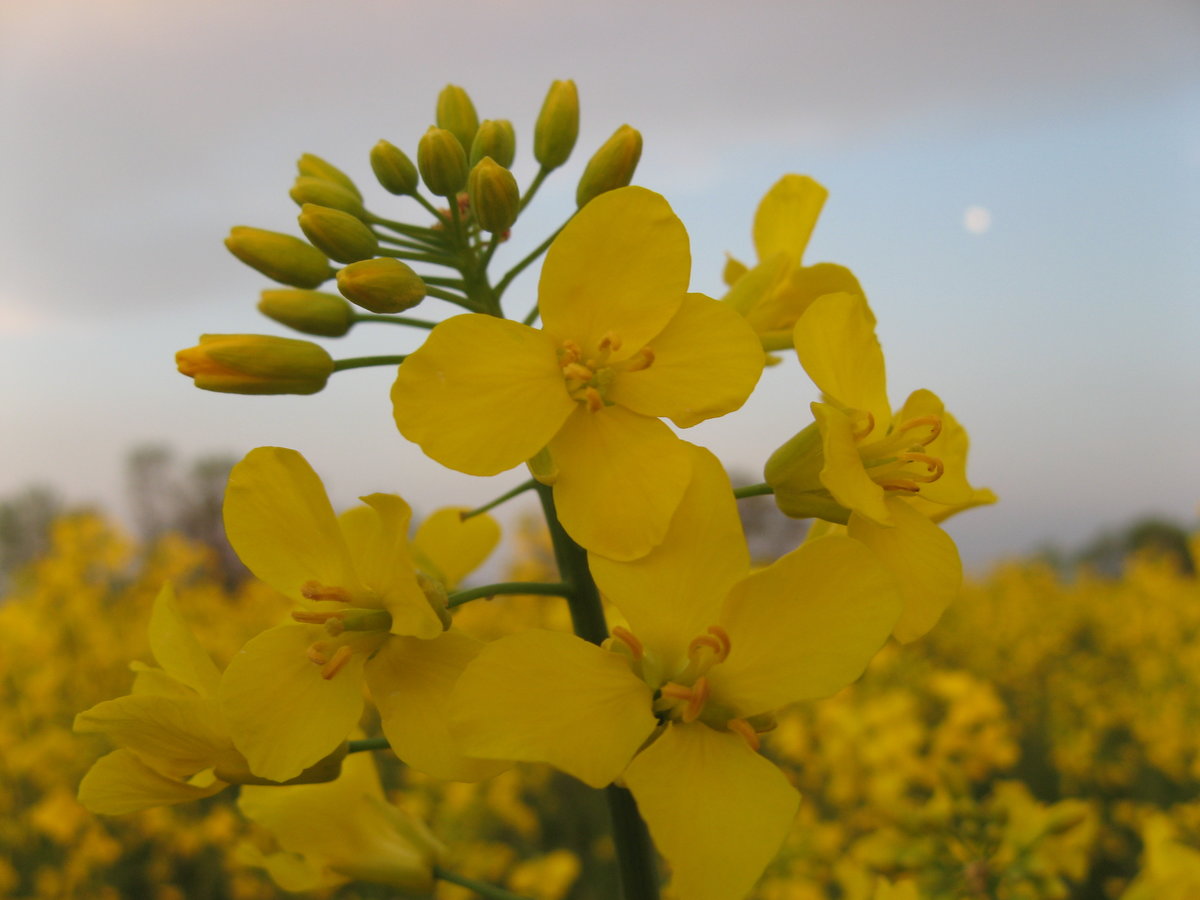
(482,394)
(410,681)
(279,521)
(779,309)
(923,560)
(835,340)
(734,270)
(621,477)
(178,737)
(759,284)
(282,714)
(377,534)
(787,215)
(675,592)
(621,266)
(706,362)
(843,473)
(449,548)
(805,626)
(121,783)
(950,446)
(153,680)
(718,811)
(542,696)
(291,872)
(176,649)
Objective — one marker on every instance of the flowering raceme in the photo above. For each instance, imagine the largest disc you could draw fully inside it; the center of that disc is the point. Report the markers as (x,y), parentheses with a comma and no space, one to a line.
(622,344)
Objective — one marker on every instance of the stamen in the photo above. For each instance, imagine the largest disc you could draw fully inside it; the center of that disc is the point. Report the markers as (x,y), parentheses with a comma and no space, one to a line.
(900,484)
(643,359)
(867,427)
(934,423)
(696,702)
(317,618)
(314,590)
(723,636)
(575,370)
(742,727)
(627,637)
(316,653)
(675,691)
(569,353)
(595,402)
(934,465)
(335,665)
(712,642)
(610,342)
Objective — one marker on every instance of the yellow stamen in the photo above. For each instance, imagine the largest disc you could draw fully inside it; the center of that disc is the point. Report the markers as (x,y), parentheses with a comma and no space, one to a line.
(706,640)
(610,342)
(340,658)
(314,590)
(696,703)
(867,427)
(569,353)
(317,618)
(932,463)
(581,372)
(742,727)
(595,402)
(723,636)
(934,423)
(643,359)
(900,484)
(627,637)
(316,653)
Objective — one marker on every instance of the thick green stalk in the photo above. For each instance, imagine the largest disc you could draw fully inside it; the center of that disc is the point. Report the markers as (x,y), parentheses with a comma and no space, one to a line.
(753,490)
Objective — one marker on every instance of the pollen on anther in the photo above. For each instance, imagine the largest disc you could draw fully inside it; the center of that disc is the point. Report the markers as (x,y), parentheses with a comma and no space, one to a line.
(627,637)
(867,428)
(934,423)
(316,653)
(314,590)
(611,342)
(340,658)
(595,402)
(643,359)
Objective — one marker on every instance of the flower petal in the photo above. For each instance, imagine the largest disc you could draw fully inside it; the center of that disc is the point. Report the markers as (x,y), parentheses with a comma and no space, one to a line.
(541,696)
(121,783)
(805,626)
(176,649)
(675,592)
(718,811)
(786,217)
(621,477)
(842,472)
(175,736)
(410,681)
(923,560)
(706,362)
(950,446)
(449,548)
(482,394)
(282,714)
(621,266)
(278,519)
(835,340)
(779,309)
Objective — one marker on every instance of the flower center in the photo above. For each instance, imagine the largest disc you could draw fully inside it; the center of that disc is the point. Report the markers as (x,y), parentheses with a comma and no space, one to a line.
(896,462)
(589,377)
(348,629)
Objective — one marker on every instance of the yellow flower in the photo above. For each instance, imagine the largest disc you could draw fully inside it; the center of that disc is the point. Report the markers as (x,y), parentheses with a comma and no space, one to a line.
(861,465)
(774,293)
(341,831)
(623,344)
(674,704)
(294,692)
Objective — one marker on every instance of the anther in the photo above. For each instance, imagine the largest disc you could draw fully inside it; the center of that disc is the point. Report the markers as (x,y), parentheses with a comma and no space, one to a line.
(317,618)
(723,636)
(867,427)
(314,590)
(933,464)
(643,359)
(595,402)
(697,700)
(934,423)
(627,637)
(712,642)
(569,353)
(575,370)
(744,728)
(610,342)
(340,658)
(316,653)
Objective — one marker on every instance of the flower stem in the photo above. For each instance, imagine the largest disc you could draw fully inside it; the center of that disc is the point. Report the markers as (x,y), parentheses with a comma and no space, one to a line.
(752,490)
(394,320)
(359,362)
(364,744)
(635,852)
(480,887)
(507,495)
(544,588)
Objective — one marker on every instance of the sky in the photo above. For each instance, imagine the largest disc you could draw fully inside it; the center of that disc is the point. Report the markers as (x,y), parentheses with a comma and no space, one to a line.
(1016,185)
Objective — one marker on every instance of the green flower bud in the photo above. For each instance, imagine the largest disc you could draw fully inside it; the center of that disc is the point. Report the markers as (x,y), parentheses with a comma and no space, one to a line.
(339,235)
(497,139)
(495,198)
(442,161)
(456,113)
(382,285)
(557,126)
(316,167)
(280,257)
(255,364)
(612,166)
(309,189)
(394,169)
(794,473)
(312,312)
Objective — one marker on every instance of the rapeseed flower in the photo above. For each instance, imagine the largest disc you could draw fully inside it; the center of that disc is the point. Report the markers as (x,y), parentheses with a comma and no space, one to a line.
(622,345)
(673,705)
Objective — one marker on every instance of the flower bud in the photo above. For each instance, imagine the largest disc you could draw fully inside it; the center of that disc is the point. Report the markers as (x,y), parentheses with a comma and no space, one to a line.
(394,169)
(456,113)
(339,235)
(497,139)
(308,189)
(255,364)
(281,257)
(794,473)
(442,161)
(557,126)
(312,312)
(316,167)
(495,198)
(612,165)
(382,285)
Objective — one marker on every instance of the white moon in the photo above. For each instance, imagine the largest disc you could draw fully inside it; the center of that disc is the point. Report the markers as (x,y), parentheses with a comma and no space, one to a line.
(977,219)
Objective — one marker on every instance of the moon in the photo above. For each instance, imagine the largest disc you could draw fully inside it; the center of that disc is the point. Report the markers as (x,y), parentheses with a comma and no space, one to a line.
(977,219)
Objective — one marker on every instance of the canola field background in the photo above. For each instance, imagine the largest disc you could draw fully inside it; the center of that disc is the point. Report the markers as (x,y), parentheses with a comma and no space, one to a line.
(1040,742)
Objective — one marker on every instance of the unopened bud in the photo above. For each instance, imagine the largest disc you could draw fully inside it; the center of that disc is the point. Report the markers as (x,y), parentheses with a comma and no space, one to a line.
(339,235)
(612,166)
(442,161)
(281,257)
(255,364)
(309,189)
(794,474)
(382,285)
(495,197)
(497,139)
(394,169)
(316,167)
(557,126)
(456,113)
(312,312)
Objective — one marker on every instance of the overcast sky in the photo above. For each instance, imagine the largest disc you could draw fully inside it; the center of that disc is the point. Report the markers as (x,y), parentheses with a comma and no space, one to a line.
(1016,184)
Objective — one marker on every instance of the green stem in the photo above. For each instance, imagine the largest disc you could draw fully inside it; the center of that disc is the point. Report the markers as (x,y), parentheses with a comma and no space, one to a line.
(419,233)
(480,887)
(361,362)
(507,495)
(449,262)
(437,213)
(635,852)
(753,490)
(407,244)
(394,320)
(587,614)
(520,267)
(533,187)
(458,299)
(363,744)
(532,316)
(544,588)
